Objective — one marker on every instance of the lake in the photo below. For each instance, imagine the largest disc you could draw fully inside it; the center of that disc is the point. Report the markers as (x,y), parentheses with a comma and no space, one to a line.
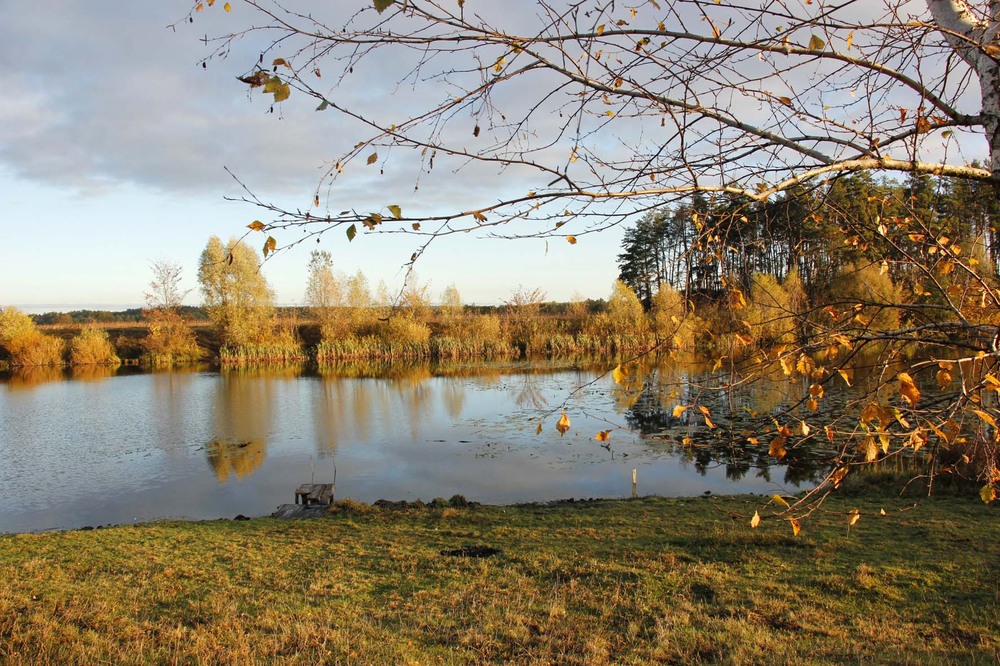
(110,447)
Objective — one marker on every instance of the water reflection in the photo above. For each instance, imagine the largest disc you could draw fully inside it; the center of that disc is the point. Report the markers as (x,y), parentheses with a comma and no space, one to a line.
(33,376)
(244,408)
(231,456)
(93,373)
(206,444)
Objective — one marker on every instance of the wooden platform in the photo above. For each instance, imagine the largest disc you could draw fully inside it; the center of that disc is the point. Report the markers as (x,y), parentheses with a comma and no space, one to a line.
(314,493)
(300,511)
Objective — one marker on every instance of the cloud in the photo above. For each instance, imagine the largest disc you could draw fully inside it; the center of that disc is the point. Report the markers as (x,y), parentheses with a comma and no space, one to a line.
(101,94)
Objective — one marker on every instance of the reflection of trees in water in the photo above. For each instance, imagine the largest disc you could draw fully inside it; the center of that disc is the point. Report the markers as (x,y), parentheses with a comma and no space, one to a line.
(29,377)
(737,413)
(453,397)
(93,373)
(530,394)
(229,456)
(170,408)
(329,413)
(415,397)
(244,411)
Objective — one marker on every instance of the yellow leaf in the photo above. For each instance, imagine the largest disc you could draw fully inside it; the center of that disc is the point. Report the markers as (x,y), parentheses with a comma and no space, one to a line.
(796,526)
(843,375)
(269,245)
(853,517)
(416,226)
(778,499)
(709,423)
(812,405)
(777,448)
(829,432)
(908,389)
(679,410)
(816,44)
(816,390)
(988,493)
(600,30)
(228,7)
(256,225)
(985,417)
(753,440)
(603,436)
(917,439)
(739,301)
(373,158)
(850,40)
(280,61)
(396,211)
(199,7)
(755,521)
(869,448)
(804,429)
(571,240)
(787,101)
(619,374)
(563,424)
(538,430)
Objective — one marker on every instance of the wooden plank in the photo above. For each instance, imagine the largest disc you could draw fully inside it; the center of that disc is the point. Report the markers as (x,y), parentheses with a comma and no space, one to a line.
(314,493)
(302,492)
(325,494)
(289,511)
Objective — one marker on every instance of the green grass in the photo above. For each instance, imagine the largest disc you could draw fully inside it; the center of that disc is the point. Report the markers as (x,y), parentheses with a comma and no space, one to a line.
(633,582)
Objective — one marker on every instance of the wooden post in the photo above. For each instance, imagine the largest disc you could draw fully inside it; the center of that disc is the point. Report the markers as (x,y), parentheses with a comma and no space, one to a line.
(634,485)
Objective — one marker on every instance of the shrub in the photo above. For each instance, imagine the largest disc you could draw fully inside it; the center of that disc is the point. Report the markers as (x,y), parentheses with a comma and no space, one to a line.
(170,340)
(671,320)
(872,288)
(26,345)
(92,346)
(774,309)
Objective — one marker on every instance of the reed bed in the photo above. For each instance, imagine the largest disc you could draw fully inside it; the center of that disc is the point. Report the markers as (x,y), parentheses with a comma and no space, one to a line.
(279,352)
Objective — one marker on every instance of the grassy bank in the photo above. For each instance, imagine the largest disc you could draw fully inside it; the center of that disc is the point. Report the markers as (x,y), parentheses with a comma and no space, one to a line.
(642,581)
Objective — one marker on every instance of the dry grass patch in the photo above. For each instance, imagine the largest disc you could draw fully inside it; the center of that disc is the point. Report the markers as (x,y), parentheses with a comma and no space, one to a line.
(633,582)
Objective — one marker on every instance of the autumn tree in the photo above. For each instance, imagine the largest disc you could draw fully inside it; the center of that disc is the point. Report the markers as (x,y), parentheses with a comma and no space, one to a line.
(597,113)
(171,340)
(324,292)
(25,344)
(241,305)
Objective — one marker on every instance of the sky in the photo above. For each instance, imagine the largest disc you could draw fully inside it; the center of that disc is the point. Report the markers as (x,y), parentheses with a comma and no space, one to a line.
(114,145)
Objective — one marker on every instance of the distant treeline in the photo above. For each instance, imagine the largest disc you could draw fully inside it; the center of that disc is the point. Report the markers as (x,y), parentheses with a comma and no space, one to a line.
(130,315)
(199,314)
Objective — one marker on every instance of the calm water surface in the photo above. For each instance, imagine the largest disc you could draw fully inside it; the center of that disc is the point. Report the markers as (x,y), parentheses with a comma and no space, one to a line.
(124,447)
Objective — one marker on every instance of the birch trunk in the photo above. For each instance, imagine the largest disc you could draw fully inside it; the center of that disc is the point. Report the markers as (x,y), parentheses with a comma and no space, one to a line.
(976,42)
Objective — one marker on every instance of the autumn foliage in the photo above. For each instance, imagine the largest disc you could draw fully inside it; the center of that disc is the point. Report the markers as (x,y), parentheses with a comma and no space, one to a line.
(25,344)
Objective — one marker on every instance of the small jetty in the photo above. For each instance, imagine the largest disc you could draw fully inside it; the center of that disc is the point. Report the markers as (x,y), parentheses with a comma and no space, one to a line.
(311,500)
